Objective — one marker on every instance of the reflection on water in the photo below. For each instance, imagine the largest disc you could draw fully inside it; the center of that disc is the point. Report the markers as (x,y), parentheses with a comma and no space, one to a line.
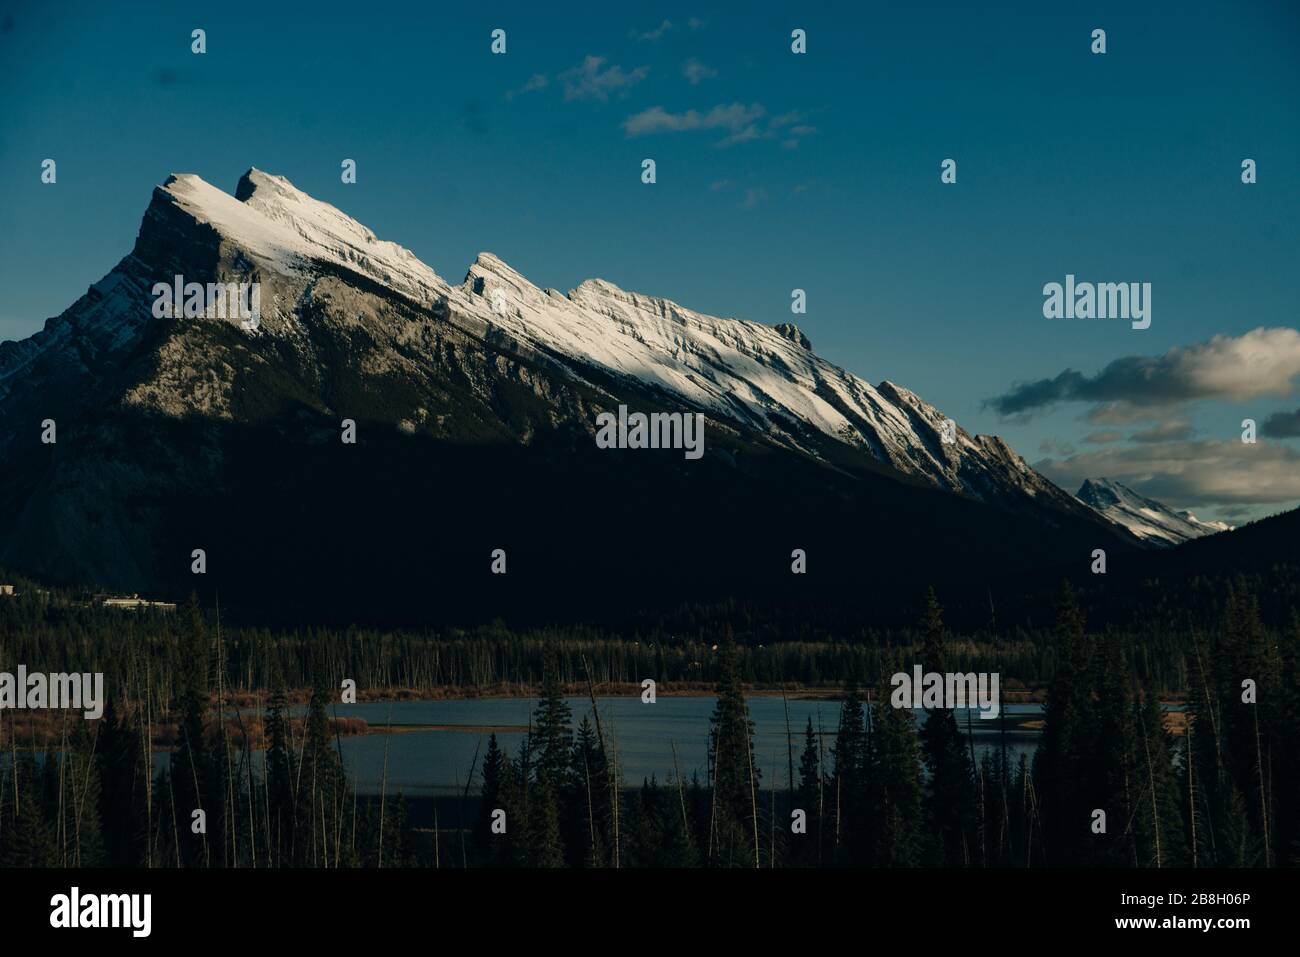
(429,762)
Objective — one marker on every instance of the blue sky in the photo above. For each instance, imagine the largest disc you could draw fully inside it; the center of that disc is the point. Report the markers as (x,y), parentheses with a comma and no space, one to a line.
(775,171)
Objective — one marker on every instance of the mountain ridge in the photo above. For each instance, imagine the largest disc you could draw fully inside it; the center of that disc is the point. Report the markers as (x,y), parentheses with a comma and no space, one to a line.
(159,416)
(1145,517)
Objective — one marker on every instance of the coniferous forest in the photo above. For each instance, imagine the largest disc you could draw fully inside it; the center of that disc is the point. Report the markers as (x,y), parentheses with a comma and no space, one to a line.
(200,722)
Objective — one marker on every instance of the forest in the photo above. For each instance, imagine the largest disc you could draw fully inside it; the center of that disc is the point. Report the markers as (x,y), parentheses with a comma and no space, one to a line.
(243,784)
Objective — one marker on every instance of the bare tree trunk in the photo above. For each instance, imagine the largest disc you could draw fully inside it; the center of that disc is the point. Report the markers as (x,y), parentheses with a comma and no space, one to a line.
(821,787)
(591,814)
(613,786)
(839,787)
(610,769)
(789,742)
(713,797)
(383,787)
(176,834)
(753,798)
(1263,799)
(1209,705)
(464,858)
(681,794)
(1191,785)
(1151,783)
(771,790)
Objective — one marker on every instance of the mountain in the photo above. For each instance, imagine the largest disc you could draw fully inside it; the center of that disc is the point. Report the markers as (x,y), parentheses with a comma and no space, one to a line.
(1146,518)
(475,408)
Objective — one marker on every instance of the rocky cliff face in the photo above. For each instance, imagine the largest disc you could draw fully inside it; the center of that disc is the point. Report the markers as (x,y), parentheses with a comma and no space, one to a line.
(162,419)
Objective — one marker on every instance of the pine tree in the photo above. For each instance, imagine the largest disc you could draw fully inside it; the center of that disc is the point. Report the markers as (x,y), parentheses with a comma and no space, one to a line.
(1117,768)
(895,786)
(552,726)
(29,837)
(494,770)
(81,801)
(1064,761)
(848,818)
(733,769)
(321,789)
(809,845)
(122,791)
(279,763)
(191,766)
(589,818)
(949,802)
(1158,817)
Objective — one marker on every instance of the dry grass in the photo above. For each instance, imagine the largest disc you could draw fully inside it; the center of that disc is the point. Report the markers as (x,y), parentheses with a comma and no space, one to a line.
(40,730)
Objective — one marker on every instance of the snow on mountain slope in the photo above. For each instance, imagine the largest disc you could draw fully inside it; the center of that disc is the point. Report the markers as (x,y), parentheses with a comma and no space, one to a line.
(747,375)
(1146,518)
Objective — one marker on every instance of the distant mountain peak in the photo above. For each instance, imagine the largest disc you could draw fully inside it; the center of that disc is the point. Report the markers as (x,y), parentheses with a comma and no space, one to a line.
(1148,519)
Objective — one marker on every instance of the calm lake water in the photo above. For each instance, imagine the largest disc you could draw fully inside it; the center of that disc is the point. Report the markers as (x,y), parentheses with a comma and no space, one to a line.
(437,762)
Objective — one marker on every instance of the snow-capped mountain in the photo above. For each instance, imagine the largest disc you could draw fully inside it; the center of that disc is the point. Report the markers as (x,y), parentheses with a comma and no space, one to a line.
(741,374)
(493,383)
(1146,518)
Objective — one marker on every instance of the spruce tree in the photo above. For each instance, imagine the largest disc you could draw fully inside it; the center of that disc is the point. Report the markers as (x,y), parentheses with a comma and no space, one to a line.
(589,819)
(1116,770)
(493,772)
(733,769)
(1064,761)
(809,845)
(848,817)
(895,787)
(1158,818)
(192,779)
(279,764)
(552,725)
(950,801)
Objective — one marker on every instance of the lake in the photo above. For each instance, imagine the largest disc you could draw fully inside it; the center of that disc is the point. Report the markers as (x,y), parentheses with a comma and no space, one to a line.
(437,762)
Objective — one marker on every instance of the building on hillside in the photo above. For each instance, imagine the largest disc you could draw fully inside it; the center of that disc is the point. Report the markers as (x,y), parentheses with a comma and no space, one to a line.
(134,602)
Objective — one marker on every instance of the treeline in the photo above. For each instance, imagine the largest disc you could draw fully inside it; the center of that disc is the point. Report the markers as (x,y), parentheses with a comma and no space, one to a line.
(55,632)
(1109,786)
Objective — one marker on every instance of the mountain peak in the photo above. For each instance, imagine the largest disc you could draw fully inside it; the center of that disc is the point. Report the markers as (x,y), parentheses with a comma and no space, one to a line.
(792,332)
(762,380)
(255,179)
(1104,490)
(1145,517)
(273,221)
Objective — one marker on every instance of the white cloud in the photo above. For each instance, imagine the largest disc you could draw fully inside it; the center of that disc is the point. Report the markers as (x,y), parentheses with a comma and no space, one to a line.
(538,81)
(590,82)
(695,71)
(1259,363)
(736,118)
(742,123)
(656,33)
